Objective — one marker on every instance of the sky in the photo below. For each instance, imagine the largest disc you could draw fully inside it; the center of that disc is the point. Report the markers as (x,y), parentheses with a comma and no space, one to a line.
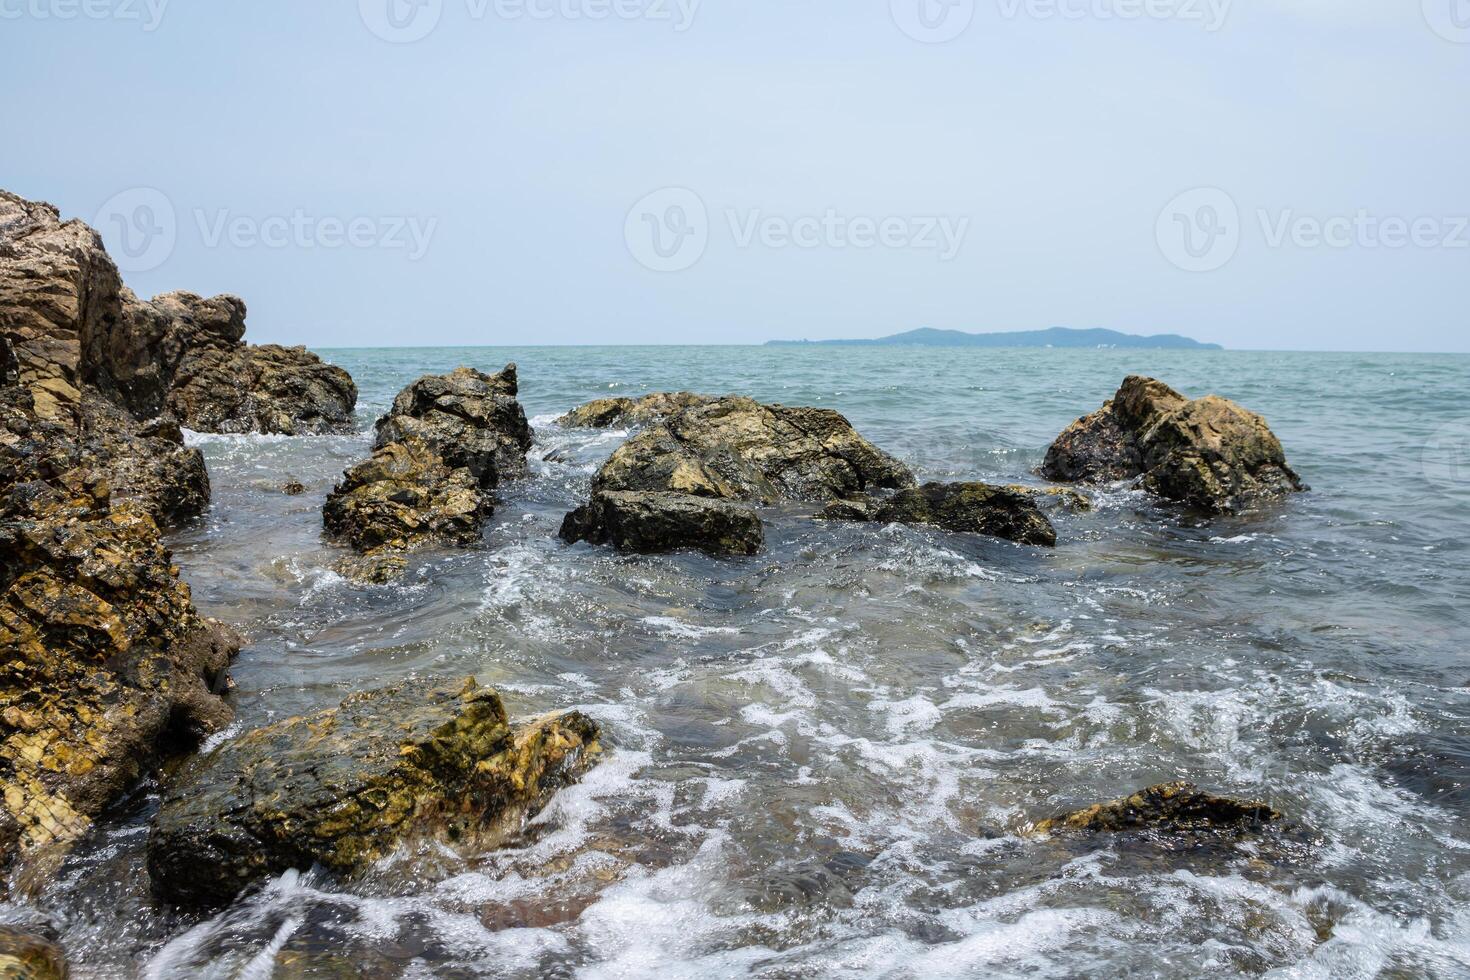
(1277,174)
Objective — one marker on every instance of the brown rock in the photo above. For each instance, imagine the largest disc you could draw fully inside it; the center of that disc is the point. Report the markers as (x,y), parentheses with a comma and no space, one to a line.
(971,508)
(607,412)
(653,522)
(1209,453)
(1170,807)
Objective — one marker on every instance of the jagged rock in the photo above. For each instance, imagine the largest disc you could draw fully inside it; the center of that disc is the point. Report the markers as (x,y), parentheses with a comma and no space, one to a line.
(971,508)
(439,454)
(68,322)
(1208,453)
(25,956)
(653,522)
(105,666)
(606,412)
(735,448)
(1171,807)
(293,488)
(343,787)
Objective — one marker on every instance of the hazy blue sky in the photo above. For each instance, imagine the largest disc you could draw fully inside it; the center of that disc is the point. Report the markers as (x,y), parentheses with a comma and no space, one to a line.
(1024,173)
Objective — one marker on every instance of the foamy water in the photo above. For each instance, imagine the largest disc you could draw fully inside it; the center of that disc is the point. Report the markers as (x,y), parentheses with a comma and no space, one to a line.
(822,760)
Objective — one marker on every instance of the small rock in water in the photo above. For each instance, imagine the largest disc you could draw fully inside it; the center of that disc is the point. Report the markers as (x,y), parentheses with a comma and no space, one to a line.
(1171,807)
(293,488)
(973,508)
(651,523)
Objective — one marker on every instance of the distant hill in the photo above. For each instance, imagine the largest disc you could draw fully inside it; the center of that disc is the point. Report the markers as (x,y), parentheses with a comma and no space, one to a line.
(1053,337)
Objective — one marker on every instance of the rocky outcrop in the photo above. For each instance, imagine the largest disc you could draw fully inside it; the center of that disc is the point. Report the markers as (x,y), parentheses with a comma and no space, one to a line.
(735,448)
(26,956)
(343,787)
(1170,807)
(659,491)
(967,508)
(654,522)
(441,451)
(68,324)
(607,412)
(104,664)
(1208,453)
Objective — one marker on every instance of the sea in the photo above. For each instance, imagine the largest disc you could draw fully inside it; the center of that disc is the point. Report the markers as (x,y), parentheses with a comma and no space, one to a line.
(822,761)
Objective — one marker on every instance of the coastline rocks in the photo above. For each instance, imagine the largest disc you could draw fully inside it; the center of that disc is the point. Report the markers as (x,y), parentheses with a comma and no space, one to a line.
(1177,807)
(607,412)
(968,508)
(69,323)
(655,522)
(1209,453)
(736,448)
(439,454)
(343,787)
(106,666)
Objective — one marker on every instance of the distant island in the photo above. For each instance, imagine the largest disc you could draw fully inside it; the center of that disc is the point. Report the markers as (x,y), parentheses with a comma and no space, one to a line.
(1053,337)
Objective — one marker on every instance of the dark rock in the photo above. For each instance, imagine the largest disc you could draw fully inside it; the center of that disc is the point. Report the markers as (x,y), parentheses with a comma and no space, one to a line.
(607,412)
(440,453)
(968,508)
(1208,453)
(293,488)
(1063,498)
(1170,807)
(654,522)
(343,787)
(735,448)
(25,956)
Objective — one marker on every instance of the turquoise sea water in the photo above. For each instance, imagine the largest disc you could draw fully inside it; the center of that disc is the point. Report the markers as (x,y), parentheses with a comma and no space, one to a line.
(821,757)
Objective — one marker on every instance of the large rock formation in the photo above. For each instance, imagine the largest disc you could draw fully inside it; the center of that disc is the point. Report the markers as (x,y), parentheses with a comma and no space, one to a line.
(69,324)
(343,787)
(724,449)
(972,508)
(105,666)
(652,522)
(1170,807)
(1208,453)
(441,451)
(606,412)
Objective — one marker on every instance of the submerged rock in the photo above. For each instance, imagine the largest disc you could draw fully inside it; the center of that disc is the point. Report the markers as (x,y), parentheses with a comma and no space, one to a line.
(1171,807)
(1208,453)
(606,412)
(343,787)
(969,508)
(654,522)
(26,956)
(736,448)
(441,451)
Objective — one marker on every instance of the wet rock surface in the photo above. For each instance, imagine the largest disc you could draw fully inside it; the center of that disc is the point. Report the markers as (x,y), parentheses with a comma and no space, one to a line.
(654,522)
(345,786)
(26,956)
(1209,453)
(439,454)
(606,412)
(967,508)
(1169,807)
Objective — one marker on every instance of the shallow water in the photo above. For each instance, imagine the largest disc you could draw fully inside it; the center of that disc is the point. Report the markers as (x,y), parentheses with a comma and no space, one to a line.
(820,757)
